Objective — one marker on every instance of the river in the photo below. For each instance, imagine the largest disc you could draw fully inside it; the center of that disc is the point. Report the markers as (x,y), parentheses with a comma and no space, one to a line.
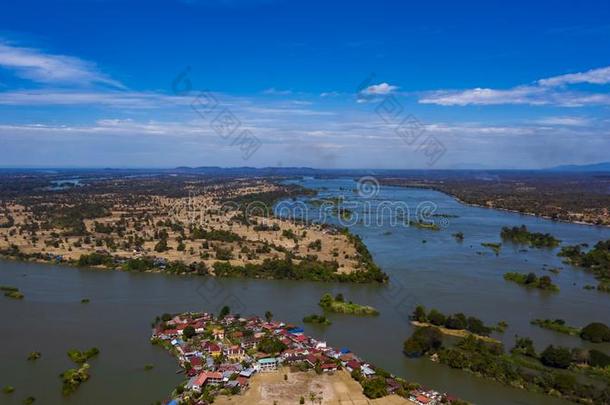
(441,273)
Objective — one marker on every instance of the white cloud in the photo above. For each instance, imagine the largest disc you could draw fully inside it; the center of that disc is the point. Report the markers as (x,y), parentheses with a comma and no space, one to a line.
(35,65)
(479,96)
(277,92)
(379,89)
(548,91)
(593,76)
(329,94)
(119,99)
(566,121)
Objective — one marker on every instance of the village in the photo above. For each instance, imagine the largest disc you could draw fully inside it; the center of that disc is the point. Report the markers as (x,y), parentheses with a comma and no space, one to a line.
(222,357)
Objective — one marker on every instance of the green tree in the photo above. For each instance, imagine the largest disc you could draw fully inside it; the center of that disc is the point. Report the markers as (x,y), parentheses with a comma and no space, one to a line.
(375,387)
(436,318)
(596,332)
(598,359)
(224,311)
(456,321)
(188,332)
(268,316)
(326,300)
(419,314)
(525,346)
(557,357)
(422,341)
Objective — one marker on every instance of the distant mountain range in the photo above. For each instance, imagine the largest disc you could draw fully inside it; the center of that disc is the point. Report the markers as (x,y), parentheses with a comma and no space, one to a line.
(595,167)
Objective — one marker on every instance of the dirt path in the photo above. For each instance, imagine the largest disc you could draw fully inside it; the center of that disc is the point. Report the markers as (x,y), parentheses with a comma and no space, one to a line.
(333,389)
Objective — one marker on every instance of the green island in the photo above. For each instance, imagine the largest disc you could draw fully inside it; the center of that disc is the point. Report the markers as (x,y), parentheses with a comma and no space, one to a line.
(521,235)
(531,280)
(596,260)
(74,377)
(595,332)
(577,375)
(12,292)
(317,319)
(457,324)
(557,325)
(34,356)
(8,389)
(459,236)
(431,226)
(339,305)
(80,357)
(496,247)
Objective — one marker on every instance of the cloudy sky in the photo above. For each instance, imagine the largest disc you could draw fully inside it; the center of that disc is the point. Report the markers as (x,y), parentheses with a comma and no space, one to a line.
(379,84)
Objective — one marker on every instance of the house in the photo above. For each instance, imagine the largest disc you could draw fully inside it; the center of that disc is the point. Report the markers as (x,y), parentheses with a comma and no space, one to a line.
(196,363)
(219,334)
(327,367)
(421,400)
(235,353)
(353,365)
(367,371)
(392,385)
(247,373)
(268,364)
(242,381)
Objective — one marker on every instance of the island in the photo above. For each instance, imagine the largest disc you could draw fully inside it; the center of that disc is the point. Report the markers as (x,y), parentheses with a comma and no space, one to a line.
(184,225)
(596,260)
(520,234)
(531,280)
(458,324)
(226,358)
(339,305)
(557,325)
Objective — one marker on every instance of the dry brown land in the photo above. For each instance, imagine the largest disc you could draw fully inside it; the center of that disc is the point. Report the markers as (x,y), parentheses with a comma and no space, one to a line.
(333,389)
(134,225)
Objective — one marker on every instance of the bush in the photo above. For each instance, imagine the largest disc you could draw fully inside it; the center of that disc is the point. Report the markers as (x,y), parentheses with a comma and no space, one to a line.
(422,341)
(596,332)
(557,357)
(598,359)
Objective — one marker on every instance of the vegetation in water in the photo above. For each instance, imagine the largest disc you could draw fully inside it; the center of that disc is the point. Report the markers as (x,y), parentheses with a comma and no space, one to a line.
(558,325)
(73,378)
(34,356)
(596,332)
(520,234)
(459,236)
(339,305)
(80,357)
(574,374)
(531,280)
(496,247)
(15,294)
(456,321)
(318,319)
(596,260)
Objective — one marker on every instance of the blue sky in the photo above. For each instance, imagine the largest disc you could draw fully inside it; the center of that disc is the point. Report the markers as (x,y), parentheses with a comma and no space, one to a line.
(379,84)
